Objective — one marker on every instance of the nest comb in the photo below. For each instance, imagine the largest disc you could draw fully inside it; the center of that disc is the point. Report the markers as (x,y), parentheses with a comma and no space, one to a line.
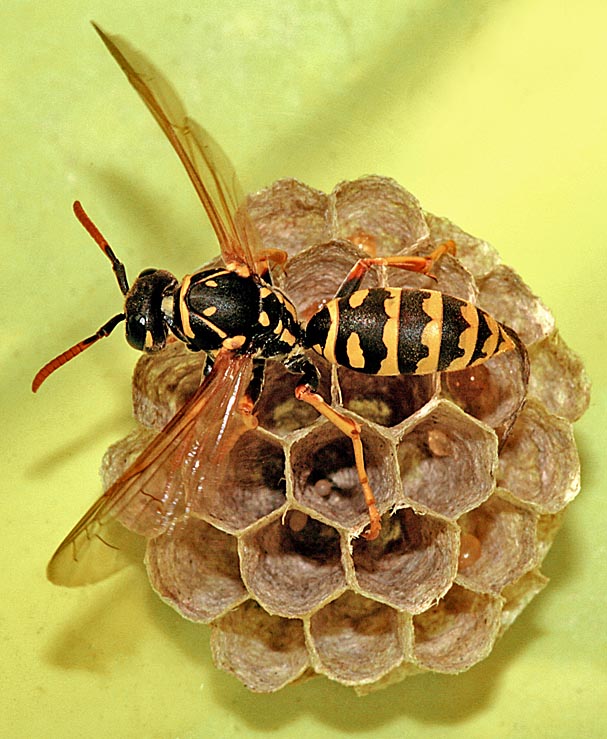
(471,487)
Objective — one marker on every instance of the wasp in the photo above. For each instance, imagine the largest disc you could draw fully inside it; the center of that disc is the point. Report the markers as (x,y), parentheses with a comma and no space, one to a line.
(240,319)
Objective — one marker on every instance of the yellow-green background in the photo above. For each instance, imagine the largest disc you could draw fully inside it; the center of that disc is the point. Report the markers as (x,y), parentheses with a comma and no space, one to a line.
(493,113)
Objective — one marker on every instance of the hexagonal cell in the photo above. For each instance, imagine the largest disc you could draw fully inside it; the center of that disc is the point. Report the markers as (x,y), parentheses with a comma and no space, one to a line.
(558,378)
(477,256)
(315,275)
(413,562)
(163,382)
(290,215)
(252,487)
(492,392)
(539,463)
(356,640)
(447,460)
(278,409)
(384,400)
(294,567)
(519,594)
(380,208)
(458,632)
(504,295)
(264,652)
(195,569)
(325,480)
(506,535)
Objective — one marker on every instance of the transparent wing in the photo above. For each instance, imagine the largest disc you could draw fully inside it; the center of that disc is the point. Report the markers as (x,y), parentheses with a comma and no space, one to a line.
(209,169)
(156,490)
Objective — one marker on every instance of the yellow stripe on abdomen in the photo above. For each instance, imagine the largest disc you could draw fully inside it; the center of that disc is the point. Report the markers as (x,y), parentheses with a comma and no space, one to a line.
(432,334)
(389,365)
(467,339)
(328,350)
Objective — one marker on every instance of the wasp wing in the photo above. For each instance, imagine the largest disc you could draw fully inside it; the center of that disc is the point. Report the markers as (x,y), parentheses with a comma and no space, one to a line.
(209,169)
(156,490)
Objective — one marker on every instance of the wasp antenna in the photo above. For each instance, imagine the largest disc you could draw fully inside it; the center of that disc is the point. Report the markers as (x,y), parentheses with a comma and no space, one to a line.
(99,239)
(75,350)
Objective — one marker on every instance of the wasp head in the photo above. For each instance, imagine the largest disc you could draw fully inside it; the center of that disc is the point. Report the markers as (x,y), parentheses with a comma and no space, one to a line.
(146,322)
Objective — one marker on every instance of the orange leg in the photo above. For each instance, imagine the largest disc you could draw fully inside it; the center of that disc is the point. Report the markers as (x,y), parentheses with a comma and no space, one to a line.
(246,410)
(248,402)
(269,257)
(412,264)
(352,430)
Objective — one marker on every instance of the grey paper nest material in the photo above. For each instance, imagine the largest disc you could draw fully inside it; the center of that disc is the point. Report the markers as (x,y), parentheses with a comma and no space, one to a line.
(471,490)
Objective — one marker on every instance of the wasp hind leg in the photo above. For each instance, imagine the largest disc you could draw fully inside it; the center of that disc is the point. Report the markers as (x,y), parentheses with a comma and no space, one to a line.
(423,265)
(306,391)
(352,429)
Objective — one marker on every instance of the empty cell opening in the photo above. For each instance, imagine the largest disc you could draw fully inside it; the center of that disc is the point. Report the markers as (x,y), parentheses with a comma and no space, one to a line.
(265,652)
(382,209)
(411,564)
(539,463)
(504,295)
(292,567)
(458,632)
(356,639)
(164,381)
(290,216)
(384,400)
(195,568)
(558,378)
(314,276)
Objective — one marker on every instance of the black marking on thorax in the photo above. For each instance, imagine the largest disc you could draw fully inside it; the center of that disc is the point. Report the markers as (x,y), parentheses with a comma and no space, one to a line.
(215,304)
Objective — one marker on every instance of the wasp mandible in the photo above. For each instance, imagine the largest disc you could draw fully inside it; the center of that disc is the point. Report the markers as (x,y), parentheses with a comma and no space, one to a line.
(240,319)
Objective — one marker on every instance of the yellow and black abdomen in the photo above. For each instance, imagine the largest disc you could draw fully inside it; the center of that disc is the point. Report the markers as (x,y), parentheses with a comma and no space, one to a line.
(397,331)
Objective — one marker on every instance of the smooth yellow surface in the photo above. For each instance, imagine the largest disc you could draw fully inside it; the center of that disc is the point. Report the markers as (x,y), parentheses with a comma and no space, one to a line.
(493,113)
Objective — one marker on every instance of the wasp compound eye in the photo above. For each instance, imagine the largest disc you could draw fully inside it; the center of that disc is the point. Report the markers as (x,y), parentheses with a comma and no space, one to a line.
(136,331)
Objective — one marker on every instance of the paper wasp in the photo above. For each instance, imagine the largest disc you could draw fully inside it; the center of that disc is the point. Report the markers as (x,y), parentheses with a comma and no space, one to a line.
(240,319)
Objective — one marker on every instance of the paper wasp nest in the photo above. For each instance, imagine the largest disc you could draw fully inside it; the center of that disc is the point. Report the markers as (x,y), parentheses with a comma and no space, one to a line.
(471,488)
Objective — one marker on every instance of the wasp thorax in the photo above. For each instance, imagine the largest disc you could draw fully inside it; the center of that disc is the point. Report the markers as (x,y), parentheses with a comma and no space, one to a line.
(213,305)
(146,322)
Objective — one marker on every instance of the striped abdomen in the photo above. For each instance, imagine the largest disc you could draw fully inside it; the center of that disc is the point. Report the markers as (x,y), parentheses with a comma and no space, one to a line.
(397,331)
